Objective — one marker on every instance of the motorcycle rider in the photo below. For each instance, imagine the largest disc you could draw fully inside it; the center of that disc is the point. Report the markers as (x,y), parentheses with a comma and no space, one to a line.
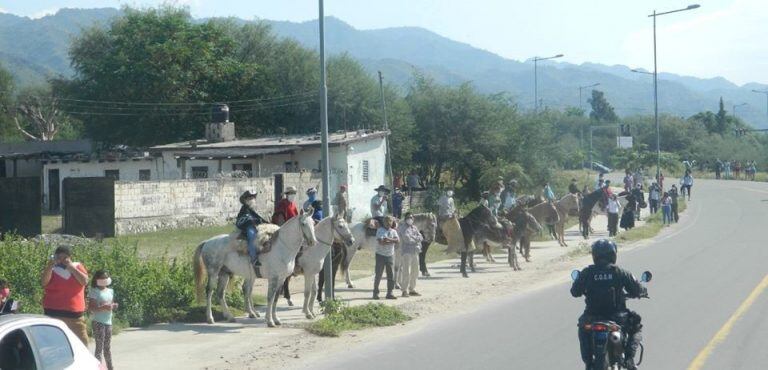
(606,287)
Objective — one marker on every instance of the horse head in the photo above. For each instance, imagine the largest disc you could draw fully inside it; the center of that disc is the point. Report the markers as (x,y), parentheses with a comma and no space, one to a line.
(307,226)
(427,223)
(341,231)
(531,223)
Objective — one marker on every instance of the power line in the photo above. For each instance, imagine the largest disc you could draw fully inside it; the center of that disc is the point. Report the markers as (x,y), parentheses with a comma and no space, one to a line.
(299,94)
(170,114)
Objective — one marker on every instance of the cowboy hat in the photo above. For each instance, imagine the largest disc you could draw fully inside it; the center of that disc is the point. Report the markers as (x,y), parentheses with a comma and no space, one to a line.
(311,190)
(246,195)
(382,188)
(290,190)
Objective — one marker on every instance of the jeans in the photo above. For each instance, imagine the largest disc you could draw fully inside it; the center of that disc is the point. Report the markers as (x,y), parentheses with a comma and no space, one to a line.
(654,204)
(666,217)
(383,262)
(613,221)
(251,233)
(675,216)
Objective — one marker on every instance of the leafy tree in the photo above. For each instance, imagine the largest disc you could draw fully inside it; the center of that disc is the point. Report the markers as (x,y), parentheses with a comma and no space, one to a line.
(722,118)
(602,111)
(7,129)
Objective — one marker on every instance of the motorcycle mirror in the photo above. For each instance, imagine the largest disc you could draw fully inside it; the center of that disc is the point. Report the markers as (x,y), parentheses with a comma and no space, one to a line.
(646,276)
(575,274)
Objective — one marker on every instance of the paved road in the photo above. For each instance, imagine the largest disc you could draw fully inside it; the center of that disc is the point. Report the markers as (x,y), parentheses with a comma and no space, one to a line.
(704,269)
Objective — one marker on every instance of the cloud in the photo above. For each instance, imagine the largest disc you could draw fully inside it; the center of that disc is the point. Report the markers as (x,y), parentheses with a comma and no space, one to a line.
(3,10)
(44,12)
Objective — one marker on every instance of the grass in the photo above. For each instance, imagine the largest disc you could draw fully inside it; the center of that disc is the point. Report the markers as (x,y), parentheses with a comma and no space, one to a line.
(652,226)
(172,243)
(51,224)
(339,318)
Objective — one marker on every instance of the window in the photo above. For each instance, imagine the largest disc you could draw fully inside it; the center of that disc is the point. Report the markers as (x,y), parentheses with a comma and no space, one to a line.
(145,175)
(113,174)
(200,172)
(291,166)
(15,351)
(243,167)
(366,171)
(2,168)
(53,349)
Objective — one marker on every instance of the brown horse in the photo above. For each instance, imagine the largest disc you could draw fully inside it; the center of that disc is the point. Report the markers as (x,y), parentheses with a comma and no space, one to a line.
(566,206)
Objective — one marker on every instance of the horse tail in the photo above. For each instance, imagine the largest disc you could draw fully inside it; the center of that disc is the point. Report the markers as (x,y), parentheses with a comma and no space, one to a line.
(199,267)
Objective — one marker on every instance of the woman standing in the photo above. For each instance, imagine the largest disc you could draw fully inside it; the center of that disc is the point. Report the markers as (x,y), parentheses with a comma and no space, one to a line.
(101,303)
(666,209)
(613,214)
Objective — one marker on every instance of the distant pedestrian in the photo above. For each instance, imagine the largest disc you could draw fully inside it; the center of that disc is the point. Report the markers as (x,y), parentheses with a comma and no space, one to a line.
(685,184)
(7,305)
(101,304)
(379,203)
(629,181)
(673,193)
(654,196)
(666,209)
(484,198)
(388,239)
(614,207)
(397,203)
(509,196)
(718,168)
(548,194)
(573,187)
(410,244)
(341,202)
(64,284)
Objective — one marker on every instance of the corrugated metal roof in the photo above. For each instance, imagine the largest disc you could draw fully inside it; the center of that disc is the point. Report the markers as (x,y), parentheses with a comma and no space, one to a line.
(336,138)
(225,153)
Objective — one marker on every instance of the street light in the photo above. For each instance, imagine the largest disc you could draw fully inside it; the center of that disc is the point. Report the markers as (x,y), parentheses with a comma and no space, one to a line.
(656,85)
(766,97)
(585,87)
(326,181)
(641,71)
(536,79)
(734,109)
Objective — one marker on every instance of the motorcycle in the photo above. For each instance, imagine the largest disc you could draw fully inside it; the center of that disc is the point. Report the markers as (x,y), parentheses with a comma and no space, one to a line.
(608,340)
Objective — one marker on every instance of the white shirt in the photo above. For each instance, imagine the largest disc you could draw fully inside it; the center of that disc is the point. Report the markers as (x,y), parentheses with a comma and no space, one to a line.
(613,206)
(388,249)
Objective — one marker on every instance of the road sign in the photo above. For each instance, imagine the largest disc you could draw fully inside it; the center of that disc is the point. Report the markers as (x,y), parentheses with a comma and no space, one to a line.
(624,142)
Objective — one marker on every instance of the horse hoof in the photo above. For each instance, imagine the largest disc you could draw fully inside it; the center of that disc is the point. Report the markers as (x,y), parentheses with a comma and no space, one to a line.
(290,303)
(253,315)
(210,320)
(309,316)
(271,324)
(350,286)
(232,319)
(277,322)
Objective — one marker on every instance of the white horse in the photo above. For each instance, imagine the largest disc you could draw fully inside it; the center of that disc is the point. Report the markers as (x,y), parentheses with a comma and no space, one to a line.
(329,230)
(221,257)
(425,222)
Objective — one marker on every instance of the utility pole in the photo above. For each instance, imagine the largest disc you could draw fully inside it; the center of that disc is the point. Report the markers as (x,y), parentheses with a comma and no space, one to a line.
(388,158)
(536,79)
(327,264)
(766,98)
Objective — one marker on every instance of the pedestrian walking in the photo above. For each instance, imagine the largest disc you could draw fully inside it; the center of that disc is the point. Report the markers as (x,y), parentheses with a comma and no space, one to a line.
(673,193)
(718,168)
(388,239)
(410,246)
(654,196)
(397,203)
(666,209)
(686,183)
(64,284)
(629,181)
(101,304)
(613,214)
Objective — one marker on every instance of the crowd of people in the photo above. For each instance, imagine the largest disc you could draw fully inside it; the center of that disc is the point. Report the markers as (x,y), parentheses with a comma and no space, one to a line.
(734,170)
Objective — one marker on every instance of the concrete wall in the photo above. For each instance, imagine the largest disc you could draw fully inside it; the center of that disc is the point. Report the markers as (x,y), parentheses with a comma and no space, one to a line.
(146,206)
(24,167)
(360,190)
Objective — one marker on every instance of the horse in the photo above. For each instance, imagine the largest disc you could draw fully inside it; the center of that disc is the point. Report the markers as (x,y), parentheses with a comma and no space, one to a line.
(329,231)
(426,222)
(546,214)
(566,206)
(221,258)
(588,203)
(526,225)
(470,224)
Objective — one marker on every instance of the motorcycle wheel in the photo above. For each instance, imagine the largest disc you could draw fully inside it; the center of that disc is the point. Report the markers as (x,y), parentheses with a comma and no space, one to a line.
(602,362)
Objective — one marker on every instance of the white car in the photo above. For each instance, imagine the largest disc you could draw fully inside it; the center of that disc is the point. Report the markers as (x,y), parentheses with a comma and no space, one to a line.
(32,342)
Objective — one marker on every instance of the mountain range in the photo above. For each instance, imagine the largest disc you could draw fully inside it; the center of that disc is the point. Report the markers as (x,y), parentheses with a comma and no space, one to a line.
(35,49)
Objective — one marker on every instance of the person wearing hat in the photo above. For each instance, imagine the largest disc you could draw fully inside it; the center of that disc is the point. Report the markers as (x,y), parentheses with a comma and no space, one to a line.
(379,204)
(484,198)
(397,203)
(341,202)
(315,204)
(247,221)
(286,208)
(508,196)
(446,207)
(573,188)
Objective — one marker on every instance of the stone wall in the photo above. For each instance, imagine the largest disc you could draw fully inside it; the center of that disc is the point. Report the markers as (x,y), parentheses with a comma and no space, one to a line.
(147,206)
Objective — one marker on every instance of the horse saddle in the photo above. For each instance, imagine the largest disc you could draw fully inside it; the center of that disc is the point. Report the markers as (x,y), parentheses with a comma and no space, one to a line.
(267,234)
(372,225)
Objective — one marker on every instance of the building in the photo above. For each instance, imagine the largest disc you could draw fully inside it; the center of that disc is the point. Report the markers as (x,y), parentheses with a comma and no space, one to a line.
(357,159)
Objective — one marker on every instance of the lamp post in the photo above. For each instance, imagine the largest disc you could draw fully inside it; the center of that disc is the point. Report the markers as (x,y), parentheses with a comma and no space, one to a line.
(734,109)
(766,97)
(536,79)
(656,84)
(326,181)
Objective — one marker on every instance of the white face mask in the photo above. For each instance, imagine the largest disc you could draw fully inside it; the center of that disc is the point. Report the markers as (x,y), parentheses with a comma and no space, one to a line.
(409,221)
(449,193)
(381,193)
(291,197)
(104,282)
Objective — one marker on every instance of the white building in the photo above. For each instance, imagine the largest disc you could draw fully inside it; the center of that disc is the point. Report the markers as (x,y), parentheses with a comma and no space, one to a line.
(357,159)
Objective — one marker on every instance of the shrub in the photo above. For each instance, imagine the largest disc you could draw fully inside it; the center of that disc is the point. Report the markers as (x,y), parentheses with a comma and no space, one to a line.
(339,318)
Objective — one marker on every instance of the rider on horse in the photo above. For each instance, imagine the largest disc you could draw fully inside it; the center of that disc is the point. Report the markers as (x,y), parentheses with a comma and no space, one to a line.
(247,221)
(286,207)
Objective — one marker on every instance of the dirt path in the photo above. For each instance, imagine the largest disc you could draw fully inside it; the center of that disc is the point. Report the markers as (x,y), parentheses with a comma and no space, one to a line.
(250,344)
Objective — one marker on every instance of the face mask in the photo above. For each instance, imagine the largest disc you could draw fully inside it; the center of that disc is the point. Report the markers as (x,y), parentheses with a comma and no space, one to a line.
(104,282)
(5,293)
(381,193)
(409,221)
(450,193)
(291,197)
(311,197)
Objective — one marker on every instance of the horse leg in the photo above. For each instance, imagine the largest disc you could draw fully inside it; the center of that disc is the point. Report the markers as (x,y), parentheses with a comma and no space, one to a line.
(248,294)
(423,259)
(210,288)
(221,293)
(271,293)
(561,231)
(472,261)
(309,295)
(276,295)
(335,266)
(287,291)
(345,266)
(320,284)
(463,265)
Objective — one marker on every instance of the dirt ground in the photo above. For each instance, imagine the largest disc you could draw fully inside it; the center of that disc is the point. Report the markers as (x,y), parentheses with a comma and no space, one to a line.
(249,344)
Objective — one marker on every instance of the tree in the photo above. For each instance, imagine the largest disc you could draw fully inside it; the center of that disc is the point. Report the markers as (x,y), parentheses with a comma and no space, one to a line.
(722,118)
(7,129)
(38,116)
(602,111)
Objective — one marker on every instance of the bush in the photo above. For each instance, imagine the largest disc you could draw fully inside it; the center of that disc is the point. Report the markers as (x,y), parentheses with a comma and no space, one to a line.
(339,318)
(150,290)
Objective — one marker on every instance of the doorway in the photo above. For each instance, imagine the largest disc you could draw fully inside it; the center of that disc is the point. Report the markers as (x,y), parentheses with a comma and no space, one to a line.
(54,191)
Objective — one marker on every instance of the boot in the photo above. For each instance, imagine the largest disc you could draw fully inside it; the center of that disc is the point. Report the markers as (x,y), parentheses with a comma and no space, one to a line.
(256,266)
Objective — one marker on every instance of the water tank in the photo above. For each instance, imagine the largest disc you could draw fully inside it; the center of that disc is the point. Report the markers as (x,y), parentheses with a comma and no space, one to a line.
(220,113)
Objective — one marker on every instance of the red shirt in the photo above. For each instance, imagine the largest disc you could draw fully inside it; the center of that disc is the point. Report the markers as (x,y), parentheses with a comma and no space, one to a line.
(286,208)
(64,292)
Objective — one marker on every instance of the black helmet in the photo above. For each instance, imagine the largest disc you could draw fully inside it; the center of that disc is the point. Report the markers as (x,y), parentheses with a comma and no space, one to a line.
(604,252)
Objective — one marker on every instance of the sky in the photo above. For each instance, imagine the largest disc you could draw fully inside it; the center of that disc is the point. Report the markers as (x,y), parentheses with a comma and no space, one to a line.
(722,38)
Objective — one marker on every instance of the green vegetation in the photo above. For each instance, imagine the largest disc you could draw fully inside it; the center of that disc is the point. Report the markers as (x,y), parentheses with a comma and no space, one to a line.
(149,290)
(339,317)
